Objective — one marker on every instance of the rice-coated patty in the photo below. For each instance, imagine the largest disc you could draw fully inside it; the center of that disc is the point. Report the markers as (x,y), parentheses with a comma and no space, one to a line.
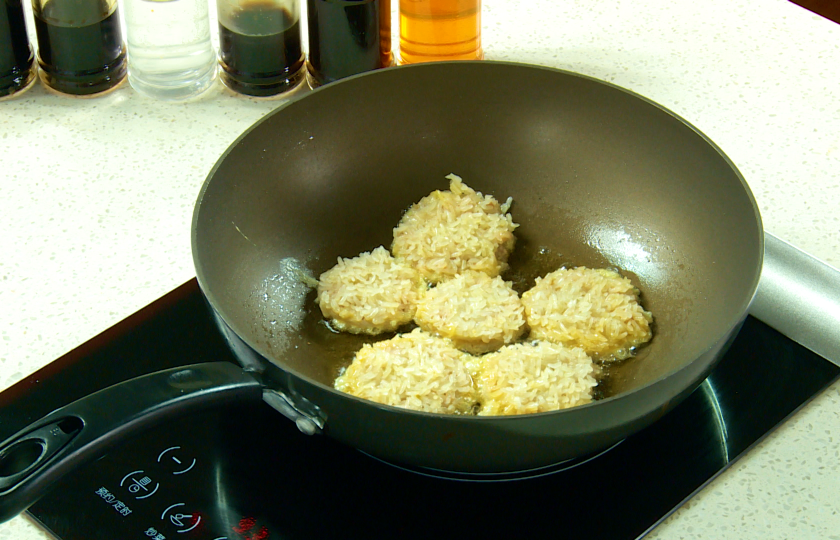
(597,310)
(478,313)
(533,377)
(416,371)
(449,232)
(369,294)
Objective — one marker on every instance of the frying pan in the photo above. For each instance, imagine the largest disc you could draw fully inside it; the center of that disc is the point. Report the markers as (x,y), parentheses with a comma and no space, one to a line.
(599,177)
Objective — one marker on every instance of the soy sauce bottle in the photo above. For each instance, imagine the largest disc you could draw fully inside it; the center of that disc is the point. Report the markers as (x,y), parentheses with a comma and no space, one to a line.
(347,38)
(80,46)
(260,46)
(17,62)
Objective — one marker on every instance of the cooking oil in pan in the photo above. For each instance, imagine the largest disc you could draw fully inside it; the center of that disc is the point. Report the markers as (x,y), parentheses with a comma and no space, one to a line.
(528,262)
(280,303)
(288,316)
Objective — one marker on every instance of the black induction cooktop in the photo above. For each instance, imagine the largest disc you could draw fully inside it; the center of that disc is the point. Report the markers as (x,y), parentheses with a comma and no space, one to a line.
(245,472)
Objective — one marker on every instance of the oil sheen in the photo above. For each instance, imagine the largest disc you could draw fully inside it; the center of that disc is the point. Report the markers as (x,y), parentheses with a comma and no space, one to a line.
(435,30)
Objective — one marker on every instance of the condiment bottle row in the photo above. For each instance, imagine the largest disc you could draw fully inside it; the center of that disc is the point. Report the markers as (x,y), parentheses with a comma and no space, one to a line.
(168,51)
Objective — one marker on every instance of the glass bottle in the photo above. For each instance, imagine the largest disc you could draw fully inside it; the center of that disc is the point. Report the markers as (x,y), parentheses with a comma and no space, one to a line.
(260,45)
(16,58)
(80,46)
(170,54)
(434,30)
(347,37)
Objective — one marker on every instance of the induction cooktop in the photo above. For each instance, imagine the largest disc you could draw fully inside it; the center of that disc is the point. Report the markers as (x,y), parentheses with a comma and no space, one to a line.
(246,472)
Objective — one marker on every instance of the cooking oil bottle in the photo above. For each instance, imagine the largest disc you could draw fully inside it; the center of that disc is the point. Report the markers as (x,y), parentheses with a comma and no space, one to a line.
(435,30)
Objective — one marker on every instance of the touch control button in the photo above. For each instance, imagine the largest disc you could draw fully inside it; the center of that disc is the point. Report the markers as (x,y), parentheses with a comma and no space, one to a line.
(183,522)
(173,458)
(139,484)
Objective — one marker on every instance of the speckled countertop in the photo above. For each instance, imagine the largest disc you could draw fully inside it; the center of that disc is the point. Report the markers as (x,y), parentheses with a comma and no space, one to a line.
(96,197)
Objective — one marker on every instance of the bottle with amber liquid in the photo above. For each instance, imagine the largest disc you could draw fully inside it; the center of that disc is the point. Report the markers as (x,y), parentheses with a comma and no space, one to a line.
(80,45)
(436,30)
(17,63)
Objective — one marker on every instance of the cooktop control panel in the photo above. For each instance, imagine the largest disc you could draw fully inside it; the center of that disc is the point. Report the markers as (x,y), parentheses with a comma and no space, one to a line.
(138,488)
(166,484)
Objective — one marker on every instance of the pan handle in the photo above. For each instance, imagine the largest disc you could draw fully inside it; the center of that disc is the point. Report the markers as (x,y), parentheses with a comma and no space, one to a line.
(40,454)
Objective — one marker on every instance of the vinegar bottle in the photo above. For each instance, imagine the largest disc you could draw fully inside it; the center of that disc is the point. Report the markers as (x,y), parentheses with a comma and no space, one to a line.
(434,30)
(16,59)
(170,55)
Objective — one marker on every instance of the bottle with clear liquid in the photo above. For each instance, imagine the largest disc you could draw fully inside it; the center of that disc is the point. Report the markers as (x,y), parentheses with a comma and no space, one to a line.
(435,30)
(170,54)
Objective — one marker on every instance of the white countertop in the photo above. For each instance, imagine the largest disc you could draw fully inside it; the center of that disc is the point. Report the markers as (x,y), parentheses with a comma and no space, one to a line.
(96,197)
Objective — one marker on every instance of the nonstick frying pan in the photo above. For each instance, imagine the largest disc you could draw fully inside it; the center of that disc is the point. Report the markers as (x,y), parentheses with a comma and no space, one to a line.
(599,177)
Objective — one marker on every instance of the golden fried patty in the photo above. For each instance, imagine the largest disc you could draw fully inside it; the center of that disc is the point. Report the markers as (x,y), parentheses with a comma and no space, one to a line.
(533,377)
(415,371)
(594,309)
(478,313)
(449,232)
(369,294)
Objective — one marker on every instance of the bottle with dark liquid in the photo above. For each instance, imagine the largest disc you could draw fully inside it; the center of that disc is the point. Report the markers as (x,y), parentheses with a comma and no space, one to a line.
(260,46)
(80,46)
(347,37)
(16,59)
(435,30)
